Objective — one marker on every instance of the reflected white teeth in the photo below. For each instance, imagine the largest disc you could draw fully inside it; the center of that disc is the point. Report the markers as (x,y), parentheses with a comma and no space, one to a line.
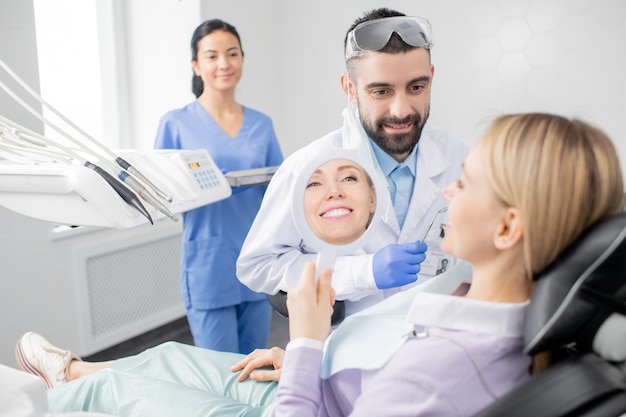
(336,213)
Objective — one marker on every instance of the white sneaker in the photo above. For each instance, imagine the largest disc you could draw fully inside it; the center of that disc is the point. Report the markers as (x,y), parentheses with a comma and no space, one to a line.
(37,356)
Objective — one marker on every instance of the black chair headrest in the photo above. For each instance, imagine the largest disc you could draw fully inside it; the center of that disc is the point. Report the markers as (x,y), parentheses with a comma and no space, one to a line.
(583,287)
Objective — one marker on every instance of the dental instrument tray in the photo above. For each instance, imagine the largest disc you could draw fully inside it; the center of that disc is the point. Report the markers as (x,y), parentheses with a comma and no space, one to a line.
(249,177)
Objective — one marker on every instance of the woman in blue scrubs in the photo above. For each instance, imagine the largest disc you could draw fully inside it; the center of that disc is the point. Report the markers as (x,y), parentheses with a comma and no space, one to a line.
(223,314)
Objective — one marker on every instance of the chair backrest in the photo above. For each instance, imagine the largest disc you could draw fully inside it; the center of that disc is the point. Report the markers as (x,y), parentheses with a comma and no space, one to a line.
(583,287)
(577,386)
(578,306)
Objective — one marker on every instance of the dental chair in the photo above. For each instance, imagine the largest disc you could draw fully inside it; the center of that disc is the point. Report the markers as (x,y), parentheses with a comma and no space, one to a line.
(577,312)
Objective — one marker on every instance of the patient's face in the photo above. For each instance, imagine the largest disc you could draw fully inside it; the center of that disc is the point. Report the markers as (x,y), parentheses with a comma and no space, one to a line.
(474,212)
(339,201)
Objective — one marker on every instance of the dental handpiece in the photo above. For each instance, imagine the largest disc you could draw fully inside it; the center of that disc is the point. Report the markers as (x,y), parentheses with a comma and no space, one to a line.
(134,171)
(440,211)
(145,194)
(127,195)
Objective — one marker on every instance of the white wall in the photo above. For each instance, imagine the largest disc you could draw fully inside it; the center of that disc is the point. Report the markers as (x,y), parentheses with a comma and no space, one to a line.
(152,41)
(491,56)
(16,23)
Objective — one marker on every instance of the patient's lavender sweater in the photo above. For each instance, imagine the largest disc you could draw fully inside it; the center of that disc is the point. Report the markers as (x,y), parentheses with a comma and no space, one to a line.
(465,354)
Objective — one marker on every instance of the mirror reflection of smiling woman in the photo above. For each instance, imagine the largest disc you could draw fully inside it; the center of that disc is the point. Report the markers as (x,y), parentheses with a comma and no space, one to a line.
(339,201)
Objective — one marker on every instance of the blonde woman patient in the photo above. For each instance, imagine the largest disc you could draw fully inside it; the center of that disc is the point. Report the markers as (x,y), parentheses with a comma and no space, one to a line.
(528,189)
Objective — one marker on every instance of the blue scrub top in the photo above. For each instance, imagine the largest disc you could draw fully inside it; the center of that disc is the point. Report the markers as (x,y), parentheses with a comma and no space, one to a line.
(213,234)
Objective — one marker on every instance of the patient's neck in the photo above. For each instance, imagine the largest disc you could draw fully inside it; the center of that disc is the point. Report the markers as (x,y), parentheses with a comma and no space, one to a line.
(504,283)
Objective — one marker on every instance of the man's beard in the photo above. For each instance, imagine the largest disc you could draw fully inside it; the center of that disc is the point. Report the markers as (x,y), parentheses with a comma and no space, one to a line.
(400,143)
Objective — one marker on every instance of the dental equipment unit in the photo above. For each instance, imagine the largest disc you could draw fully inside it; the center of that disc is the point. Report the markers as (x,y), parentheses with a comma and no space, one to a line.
(79,181)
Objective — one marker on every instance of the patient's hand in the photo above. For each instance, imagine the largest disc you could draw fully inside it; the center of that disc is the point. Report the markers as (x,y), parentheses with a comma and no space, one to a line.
(310,306)
(260,358)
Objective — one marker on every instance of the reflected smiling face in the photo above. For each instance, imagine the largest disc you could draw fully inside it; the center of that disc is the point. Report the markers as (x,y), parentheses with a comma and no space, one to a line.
(339,201)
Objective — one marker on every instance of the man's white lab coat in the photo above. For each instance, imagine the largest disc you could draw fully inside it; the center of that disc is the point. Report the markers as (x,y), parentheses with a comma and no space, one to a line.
(273,255)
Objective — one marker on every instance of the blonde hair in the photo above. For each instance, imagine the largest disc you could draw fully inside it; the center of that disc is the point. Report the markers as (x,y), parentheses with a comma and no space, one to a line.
(563,175)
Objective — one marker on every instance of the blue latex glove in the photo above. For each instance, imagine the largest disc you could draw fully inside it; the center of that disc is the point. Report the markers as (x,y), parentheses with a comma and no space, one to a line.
(398,264)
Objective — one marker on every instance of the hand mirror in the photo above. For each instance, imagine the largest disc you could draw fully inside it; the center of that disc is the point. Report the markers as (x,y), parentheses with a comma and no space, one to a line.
(335,210)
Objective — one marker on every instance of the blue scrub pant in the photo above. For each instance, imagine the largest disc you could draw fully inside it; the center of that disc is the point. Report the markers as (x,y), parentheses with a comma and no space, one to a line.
(240,328)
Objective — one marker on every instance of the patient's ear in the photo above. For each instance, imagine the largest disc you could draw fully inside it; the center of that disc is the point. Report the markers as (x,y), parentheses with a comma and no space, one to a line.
(510,230)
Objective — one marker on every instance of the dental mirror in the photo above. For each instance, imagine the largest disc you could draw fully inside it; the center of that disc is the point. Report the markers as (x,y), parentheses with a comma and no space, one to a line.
(335,209)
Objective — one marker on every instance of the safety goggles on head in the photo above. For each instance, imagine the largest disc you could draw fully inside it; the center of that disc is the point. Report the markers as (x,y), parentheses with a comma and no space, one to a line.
(373,35)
